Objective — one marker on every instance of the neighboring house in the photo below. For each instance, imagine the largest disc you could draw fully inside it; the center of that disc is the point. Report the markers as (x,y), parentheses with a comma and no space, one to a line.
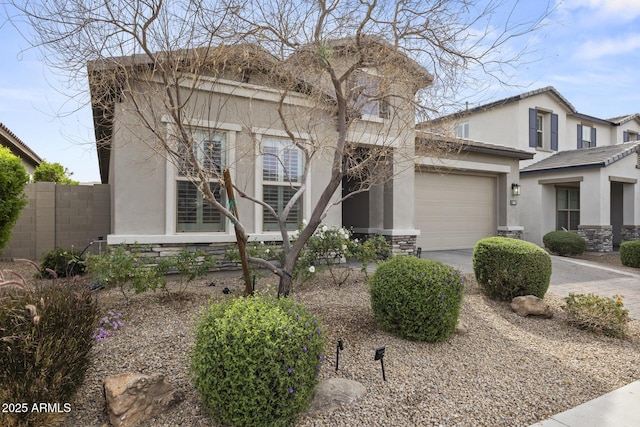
(436,182)
(29,158)
(584,174)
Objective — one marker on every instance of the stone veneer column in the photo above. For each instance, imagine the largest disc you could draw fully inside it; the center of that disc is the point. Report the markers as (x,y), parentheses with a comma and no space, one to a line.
(599,237)
(513,232)
(630,232)
(402,245)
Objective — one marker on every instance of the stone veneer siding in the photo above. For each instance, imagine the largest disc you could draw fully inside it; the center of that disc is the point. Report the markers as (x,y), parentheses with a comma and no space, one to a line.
(599,237)
(513,234)
(630,232)
(160,250)
(400,245)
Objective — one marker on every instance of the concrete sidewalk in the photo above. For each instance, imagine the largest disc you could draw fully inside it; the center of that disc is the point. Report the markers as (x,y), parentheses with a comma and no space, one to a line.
(618,408)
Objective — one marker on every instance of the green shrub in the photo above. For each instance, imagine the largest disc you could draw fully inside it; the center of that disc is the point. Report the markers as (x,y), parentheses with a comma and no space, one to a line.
(630,253)
(64,262)
(416,298)
(46,336)
(371,250)
(598,314)
(120,267)
(506,268)
(256,361)
(188,264)
(564,243)
(13,178)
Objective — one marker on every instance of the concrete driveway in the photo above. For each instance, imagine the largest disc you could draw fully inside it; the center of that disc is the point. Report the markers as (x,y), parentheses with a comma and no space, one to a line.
(568,275)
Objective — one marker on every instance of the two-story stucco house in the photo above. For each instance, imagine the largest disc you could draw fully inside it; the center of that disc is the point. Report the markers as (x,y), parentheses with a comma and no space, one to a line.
(584,173)
(235,118)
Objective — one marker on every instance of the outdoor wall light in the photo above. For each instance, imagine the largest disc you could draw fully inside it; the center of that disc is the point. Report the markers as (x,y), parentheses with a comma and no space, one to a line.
(339,347)
(515,189)
(380,356)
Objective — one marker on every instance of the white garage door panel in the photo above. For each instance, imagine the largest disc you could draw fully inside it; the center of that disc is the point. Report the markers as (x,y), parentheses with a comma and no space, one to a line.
(454,211)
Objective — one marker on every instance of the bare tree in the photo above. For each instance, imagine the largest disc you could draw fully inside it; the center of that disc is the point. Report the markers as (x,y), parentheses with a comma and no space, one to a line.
(402,60)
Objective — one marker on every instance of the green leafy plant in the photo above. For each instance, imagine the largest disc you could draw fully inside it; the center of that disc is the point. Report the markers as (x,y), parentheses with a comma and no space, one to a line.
(64,262)
(255,249)
(373,250)
(46,337)
(598,314)
(630,253)
(13,179)
(53,172)
(416,298)
(506,268)
(564,243)
(327,249)
(120,266)
(188,264)
(256,361)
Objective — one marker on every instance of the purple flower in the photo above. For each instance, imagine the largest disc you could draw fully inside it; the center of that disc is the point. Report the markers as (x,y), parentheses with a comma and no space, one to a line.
(291,390)
(321,357)
(289,371)
(304,348)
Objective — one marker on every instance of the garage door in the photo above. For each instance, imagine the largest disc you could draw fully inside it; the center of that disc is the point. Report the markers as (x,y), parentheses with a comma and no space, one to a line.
(454,211)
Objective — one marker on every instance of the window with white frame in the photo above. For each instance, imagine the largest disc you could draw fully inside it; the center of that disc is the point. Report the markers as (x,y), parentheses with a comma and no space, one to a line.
(282,168)
(462,130)
(567,208)
(367,99)
(205,151)
(539,130)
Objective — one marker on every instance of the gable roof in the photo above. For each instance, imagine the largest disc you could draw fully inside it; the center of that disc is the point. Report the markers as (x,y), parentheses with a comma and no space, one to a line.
(516,98)
(450,144)
(584,158)
(624,119)
(17,147)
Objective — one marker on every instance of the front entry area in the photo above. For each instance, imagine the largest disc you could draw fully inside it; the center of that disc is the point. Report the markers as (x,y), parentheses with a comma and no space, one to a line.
(454,211)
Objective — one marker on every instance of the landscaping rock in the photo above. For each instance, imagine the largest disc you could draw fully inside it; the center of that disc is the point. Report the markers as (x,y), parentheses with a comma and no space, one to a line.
(335,392)
(133,398)
(531,305)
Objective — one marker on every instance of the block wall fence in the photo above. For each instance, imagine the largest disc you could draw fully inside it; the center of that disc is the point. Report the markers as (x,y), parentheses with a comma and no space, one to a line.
(61,216)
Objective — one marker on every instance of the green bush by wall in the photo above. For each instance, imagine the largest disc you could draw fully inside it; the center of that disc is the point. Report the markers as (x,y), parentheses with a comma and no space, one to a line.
(416,298)
(630,253)
(506,268)
(564,243)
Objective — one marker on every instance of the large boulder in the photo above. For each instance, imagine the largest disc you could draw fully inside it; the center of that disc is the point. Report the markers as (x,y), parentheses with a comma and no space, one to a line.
(334,392)
(133,398)
(531,305)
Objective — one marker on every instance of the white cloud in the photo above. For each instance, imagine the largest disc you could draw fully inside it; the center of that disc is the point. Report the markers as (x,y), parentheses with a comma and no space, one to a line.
(598,48)
(621,9)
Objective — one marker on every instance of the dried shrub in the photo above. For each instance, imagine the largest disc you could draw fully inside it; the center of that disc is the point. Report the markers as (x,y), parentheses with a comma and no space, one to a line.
(46,336)
(598,314)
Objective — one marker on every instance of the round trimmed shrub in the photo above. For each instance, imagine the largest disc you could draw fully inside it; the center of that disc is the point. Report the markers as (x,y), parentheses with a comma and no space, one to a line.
(418,299)
(564,243)
(256,361)
(506,268)
(630,253)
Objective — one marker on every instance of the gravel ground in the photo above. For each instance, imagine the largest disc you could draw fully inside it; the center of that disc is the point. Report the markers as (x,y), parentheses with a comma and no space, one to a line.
(504,370)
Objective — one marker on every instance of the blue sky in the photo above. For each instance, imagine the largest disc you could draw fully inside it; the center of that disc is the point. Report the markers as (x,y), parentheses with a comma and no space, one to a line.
(588,49)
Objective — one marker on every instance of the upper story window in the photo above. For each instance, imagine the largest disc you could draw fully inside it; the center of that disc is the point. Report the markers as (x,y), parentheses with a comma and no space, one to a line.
(367,97)
(193,212)
(462,130)
(543,129)
(586,136)
(629,135)
(282,168)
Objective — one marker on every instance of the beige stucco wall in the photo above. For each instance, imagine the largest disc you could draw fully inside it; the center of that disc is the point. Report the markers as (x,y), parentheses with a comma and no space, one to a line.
(144,189)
